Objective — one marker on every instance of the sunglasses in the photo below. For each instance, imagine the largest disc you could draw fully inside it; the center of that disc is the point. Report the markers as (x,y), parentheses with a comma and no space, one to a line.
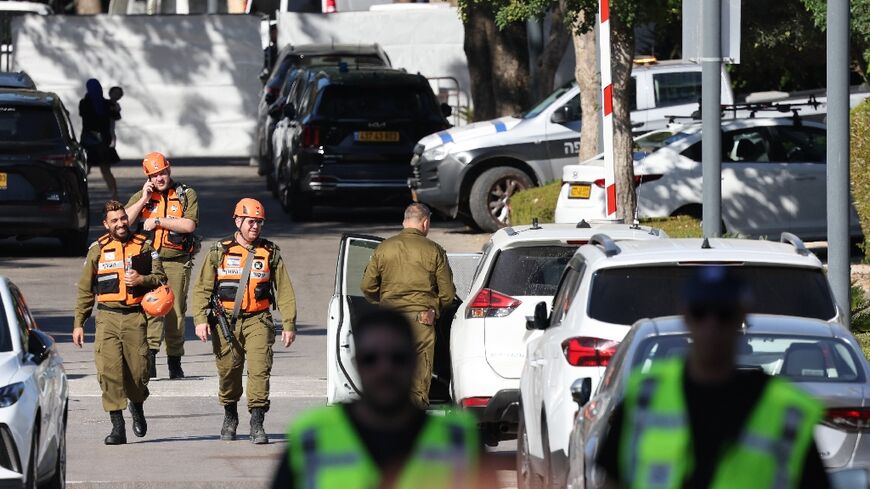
(394,359)
(721,313)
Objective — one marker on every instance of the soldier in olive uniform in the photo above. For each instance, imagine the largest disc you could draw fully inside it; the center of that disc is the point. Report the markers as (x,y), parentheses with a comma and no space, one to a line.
(410,273)
(169,214)
(119,269)
(253,332)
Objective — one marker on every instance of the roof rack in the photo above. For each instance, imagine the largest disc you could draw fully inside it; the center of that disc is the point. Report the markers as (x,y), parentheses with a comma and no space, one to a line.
(793,240)
(755,107)
(607,245)
(511,231)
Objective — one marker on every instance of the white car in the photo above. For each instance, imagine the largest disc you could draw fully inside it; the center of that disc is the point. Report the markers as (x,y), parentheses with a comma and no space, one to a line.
(606,288)
(33,399)
(348,303)
(773,180)
(520,267)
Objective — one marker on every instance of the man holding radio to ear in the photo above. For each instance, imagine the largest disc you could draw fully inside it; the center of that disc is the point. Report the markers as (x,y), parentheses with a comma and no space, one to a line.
(169,214)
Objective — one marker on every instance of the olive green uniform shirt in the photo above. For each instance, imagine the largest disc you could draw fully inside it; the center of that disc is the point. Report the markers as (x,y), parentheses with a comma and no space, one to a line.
(283,288)
(86,295)
(409,273)
(191,211)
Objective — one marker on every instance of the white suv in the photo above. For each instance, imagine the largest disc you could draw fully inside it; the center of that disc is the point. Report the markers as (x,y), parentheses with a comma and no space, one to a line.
(520,267)
(605,289)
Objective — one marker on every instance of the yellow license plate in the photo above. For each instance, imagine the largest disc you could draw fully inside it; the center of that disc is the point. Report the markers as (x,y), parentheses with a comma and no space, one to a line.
(4,181)
(377,136)
(580,191)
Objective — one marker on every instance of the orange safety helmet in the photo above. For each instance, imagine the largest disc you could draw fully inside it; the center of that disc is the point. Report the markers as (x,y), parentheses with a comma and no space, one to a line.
(159,301)
(250,208)
(154,163)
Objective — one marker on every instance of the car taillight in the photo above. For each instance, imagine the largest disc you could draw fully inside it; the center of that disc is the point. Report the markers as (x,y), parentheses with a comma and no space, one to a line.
(474,402)
(329,7)
(491,304)
(589,352)
(850,419)
(64,159)
(310,137)
(638,179)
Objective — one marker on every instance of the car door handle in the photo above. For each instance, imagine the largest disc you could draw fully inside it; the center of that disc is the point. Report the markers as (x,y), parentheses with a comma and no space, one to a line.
(536,363)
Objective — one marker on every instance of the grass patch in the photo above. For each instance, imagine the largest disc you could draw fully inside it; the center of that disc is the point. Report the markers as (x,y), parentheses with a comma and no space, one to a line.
(860,165)
(863,340)
(676,227)
(537,202)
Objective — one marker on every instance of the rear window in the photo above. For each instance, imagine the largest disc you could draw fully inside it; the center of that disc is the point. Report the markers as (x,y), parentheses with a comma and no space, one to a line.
(335,60)
(22,124)
(530,270)
(800,358)
(625,295)
(377,102)
(677,88)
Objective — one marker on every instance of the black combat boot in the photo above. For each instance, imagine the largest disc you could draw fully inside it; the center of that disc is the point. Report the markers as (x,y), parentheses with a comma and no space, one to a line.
(231,422)
(258,434)
(175,371)
(140,425)
(118,436)
(152,364)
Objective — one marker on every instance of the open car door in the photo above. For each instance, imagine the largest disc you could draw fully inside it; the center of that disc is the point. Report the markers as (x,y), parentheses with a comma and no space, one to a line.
(342,383)
(349,303)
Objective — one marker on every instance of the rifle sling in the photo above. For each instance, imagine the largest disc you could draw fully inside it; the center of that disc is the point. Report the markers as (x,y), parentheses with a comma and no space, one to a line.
(243,286)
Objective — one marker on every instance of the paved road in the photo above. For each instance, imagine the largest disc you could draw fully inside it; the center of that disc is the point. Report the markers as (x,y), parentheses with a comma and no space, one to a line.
(182,448)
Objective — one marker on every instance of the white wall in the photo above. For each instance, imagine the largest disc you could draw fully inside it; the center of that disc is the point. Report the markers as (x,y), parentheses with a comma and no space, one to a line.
(426,40)
(190,82)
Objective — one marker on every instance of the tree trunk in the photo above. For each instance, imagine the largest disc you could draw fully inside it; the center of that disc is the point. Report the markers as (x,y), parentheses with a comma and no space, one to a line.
(510,69)
(88,7)
(589,80)
(479,32)
(554,50)
(622,46)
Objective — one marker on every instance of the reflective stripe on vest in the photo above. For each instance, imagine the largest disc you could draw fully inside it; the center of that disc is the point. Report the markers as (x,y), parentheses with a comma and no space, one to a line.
(656,446)
(325,451)
(172,205)
(111,267)
(258,296)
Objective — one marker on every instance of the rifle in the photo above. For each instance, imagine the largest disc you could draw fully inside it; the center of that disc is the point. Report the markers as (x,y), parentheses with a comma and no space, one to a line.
(218,320)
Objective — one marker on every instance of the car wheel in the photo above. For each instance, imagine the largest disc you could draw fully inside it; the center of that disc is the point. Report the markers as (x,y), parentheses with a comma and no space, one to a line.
(301,208)
(490,193)
(75,243)
(526,477)
(32,463)
(58,480)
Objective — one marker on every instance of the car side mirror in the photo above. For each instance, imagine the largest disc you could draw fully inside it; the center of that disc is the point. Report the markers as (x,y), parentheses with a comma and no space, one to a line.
(560,116)
(446,110)
(541,319)
(39,345)
(581,391)
(289,111)
(849,478)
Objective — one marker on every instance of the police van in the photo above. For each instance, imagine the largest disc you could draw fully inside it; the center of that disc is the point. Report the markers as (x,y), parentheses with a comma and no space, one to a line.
(470,172)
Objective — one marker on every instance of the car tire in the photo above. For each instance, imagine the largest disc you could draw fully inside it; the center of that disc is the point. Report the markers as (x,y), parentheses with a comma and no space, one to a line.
(58,480)
(526,476)
(301,207)
(75,243)
(32,463)
(550,476)
(490,192)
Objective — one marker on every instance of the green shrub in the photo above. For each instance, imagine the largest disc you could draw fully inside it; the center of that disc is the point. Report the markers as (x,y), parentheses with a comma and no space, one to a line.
(676,227)
(860,309)
(860,165)
(537,202)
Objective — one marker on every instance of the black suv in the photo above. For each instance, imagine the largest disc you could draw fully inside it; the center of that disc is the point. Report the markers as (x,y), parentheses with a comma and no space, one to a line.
(352,137)
(43,183)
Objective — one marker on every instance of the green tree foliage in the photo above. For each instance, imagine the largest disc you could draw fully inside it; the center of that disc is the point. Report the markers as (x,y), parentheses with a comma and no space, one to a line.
(860,10)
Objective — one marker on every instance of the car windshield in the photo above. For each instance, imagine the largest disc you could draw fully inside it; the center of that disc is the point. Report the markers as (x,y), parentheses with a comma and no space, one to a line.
(543,104)
(529,270)
(625,295)
(676,137)
(5,337)
(28,124)
(377,102)
(336,59)
(800,358)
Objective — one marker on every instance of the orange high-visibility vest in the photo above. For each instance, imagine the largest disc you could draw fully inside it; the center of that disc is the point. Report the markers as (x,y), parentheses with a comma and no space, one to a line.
(258,296)
(115,258)
(170,205)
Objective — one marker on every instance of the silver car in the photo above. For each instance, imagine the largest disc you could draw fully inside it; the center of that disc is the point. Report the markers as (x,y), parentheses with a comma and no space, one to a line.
(820,357)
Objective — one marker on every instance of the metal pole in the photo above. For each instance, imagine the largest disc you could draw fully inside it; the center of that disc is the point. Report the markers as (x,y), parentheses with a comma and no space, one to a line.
(838,153)
(711,83)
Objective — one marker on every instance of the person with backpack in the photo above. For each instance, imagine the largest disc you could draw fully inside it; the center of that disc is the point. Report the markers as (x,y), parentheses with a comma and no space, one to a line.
(242,279)
(168,214)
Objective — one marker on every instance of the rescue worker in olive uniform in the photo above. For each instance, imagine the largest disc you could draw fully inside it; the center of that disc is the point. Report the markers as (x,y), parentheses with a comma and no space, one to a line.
(169,214)
(120,268)
(410,274)
(247,301)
